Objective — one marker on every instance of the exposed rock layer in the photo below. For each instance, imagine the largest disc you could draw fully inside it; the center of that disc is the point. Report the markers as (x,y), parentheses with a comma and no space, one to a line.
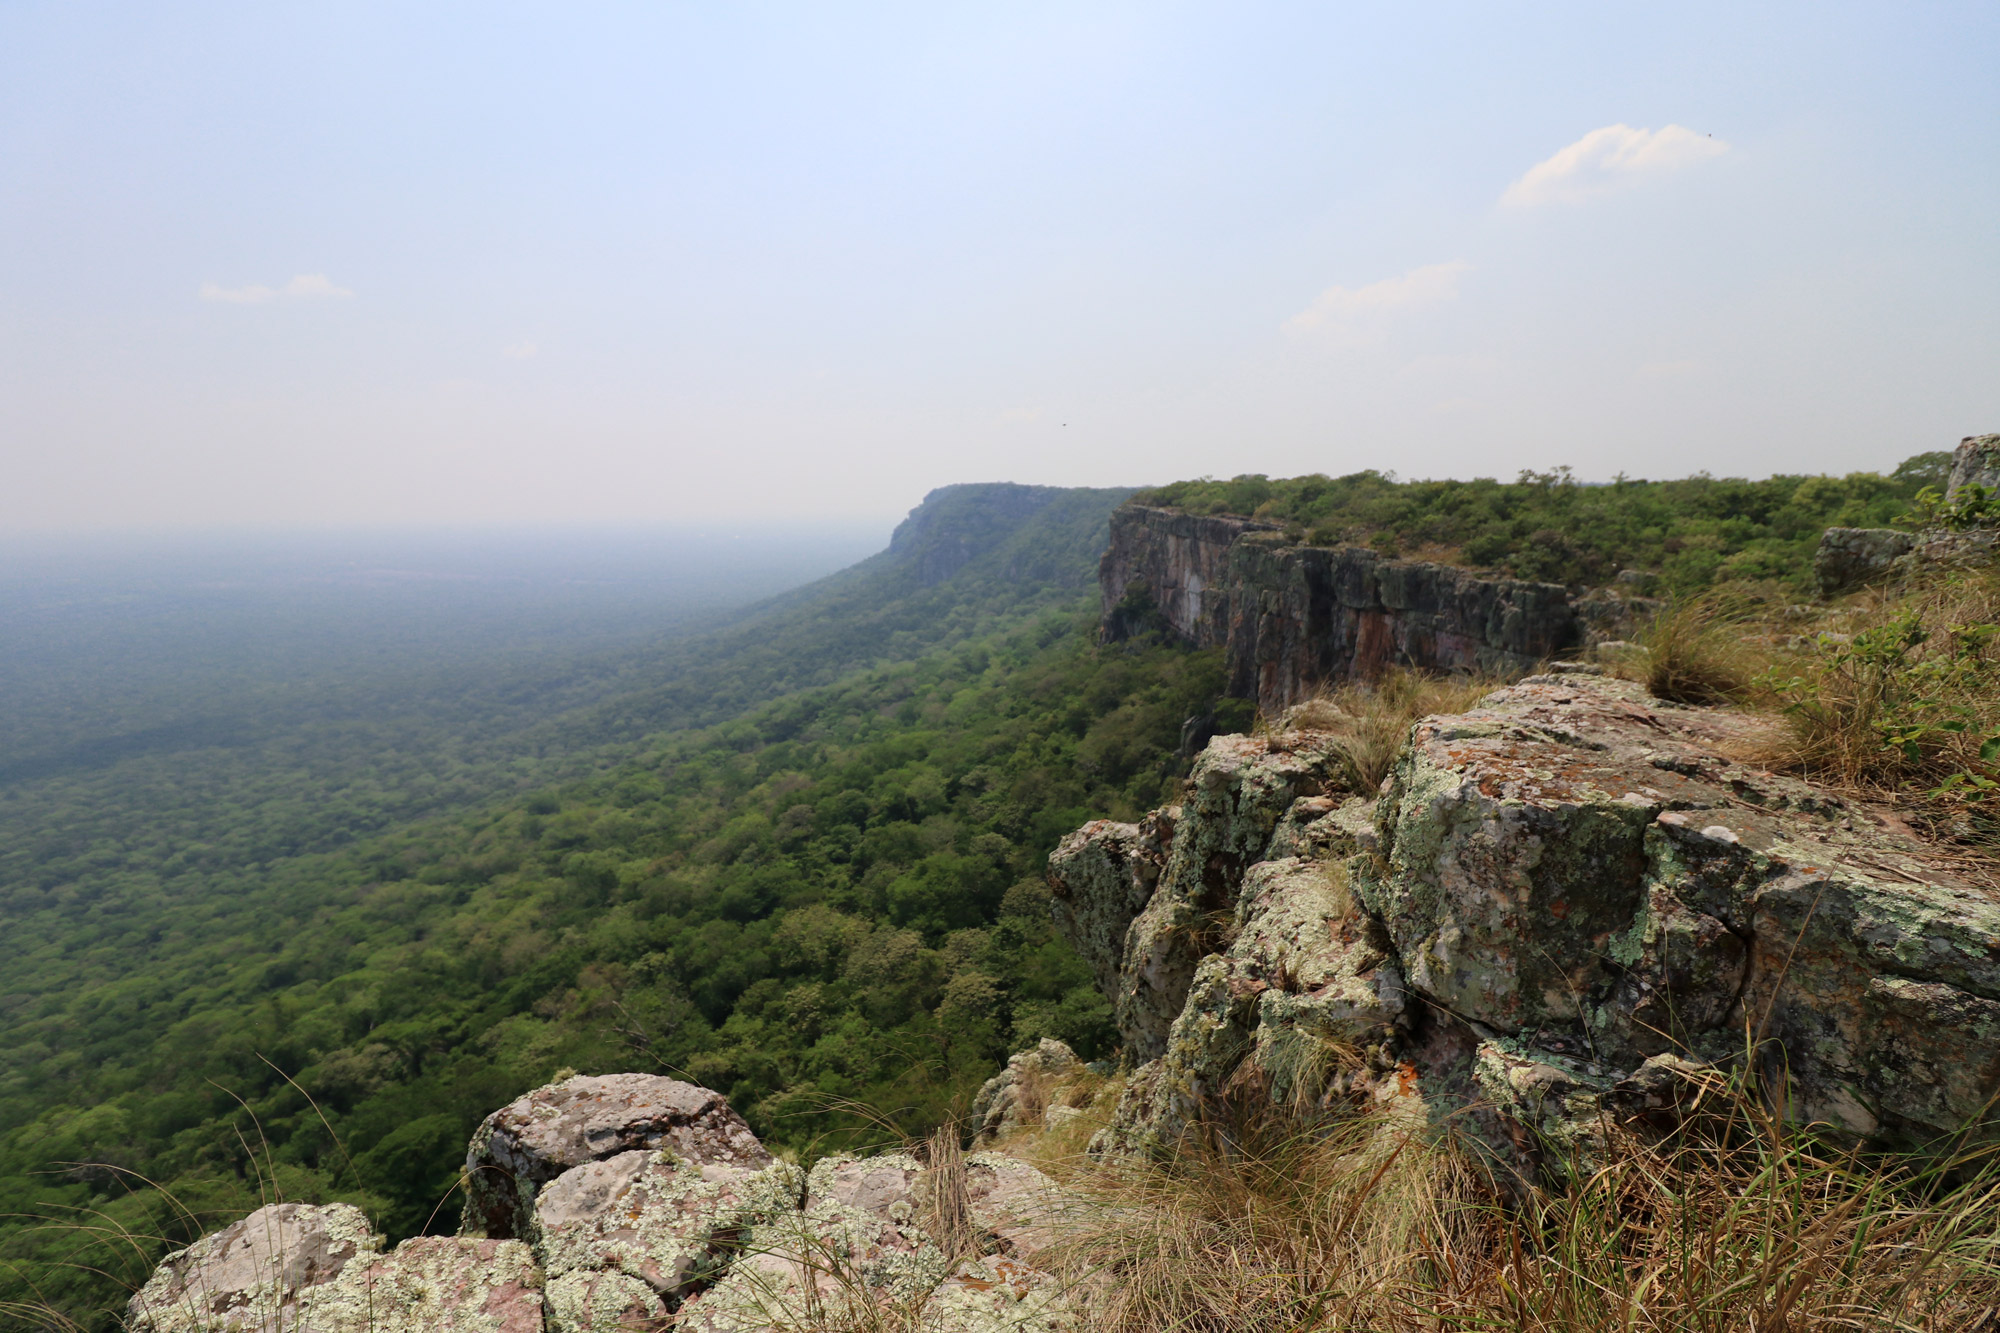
(1561,892)
(1293,617)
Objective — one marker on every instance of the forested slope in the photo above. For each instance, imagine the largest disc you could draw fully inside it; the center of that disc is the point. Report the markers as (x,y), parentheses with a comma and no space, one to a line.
(833,896)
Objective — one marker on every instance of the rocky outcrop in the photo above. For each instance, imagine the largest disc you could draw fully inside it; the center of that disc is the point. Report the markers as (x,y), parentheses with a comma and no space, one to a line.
(1294,617)
(1976,462)
(301,1266)
(1564,900)
(642,1202)
(1850,558)
(531,1141)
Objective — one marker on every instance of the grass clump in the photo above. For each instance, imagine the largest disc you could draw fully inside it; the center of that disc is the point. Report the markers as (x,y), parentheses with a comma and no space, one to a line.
(1701,651)
(1736,1223)
(1372,719)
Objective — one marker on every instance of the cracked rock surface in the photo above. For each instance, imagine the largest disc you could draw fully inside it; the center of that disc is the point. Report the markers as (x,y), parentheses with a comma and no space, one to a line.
(1562,895)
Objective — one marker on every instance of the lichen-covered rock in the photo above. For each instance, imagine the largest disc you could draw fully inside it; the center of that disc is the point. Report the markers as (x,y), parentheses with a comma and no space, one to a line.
(1847,558)
(250,1275)
(1567,898)
(431,1284)
(1019,1096)
(1306,985)
(300,1266)
(1976,462)
(658,1220)
(1575,867)
(1239,789)
(537,1137)
(866,1240)
(1100,878)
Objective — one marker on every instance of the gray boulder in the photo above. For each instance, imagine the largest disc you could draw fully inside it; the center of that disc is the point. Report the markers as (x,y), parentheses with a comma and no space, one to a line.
(1976,462)
(534,1139)
(1570,897)
(1849,558)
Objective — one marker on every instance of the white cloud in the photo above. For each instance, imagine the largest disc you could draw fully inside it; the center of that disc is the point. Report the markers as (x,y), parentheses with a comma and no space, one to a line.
(520,351)
(1345,305)
(304,286)
(1607,158)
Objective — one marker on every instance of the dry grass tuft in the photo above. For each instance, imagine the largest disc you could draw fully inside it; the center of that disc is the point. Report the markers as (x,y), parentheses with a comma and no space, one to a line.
(1373,718)
(1734,1225)
(1703,651)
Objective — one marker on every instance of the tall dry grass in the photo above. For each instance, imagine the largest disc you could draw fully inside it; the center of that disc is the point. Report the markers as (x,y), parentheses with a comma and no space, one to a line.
(1703,650)
(1740,1226)
(1373,718)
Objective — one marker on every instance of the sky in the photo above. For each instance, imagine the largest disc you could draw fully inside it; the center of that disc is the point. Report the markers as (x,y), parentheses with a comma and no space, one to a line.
(446,264)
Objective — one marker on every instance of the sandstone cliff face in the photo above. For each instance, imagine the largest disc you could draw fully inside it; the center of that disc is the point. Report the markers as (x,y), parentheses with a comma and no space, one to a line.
(1295,617)
(1565,900)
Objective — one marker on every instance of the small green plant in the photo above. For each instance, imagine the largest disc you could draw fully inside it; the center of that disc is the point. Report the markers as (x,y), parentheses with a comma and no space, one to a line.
(1970,506)
(1910,700)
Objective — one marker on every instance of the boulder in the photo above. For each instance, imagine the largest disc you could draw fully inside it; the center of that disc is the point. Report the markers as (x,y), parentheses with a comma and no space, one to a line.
(652,1218)
(299,1266)
(1239,790)
(1019,1096)
(534,1139)
(1848,558)
(866,1251)
(1976,462)
(432,1284)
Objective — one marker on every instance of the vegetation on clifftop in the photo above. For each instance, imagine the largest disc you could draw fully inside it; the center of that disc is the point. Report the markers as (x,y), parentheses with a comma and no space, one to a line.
(1548,526)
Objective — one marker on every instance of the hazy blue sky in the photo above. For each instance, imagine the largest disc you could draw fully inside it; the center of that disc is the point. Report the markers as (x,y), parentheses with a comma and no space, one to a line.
(281,263)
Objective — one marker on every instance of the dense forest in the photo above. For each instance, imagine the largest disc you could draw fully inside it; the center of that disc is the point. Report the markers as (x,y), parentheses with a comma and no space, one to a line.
(306,929)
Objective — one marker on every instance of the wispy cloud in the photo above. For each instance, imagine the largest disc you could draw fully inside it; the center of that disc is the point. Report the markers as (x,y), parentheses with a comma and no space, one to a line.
(1343,306)
(1605,159)
(304,287)
(520,351)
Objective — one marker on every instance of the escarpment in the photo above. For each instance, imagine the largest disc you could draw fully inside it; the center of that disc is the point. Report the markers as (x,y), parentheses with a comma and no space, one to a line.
(1292,616)
(1564,902)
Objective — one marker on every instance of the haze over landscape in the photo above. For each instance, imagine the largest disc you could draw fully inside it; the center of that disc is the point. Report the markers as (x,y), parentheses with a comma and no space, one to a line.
(718,668)
(447,264)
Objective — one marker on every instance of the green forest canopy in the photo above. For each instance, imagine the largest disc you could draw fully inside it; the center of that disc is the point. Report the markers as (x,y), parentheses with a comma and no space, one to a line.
(1549,526)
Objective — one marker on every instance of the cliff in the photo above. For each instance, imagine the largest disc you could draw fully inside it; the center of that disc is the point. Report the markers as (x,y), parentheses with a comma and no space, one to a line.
(1293,616)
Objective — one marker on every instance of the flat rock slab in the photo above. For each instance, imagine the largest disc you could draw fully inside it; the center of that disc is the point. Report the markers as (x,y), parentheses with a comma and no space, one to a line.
(534,1139)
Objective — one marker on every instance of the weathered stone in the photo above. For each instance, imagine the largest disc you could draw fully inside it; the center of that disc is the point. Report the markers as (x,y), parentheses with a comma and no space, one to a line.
(1848,558)
(1100,878)
(432,1284)
(1295,617)
(1568,898)
(862,1250)
(1976,462)
(251,1274)
(1235,796)
(650,1216)
(1018,1097)
(531,1141)
(297,1266)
